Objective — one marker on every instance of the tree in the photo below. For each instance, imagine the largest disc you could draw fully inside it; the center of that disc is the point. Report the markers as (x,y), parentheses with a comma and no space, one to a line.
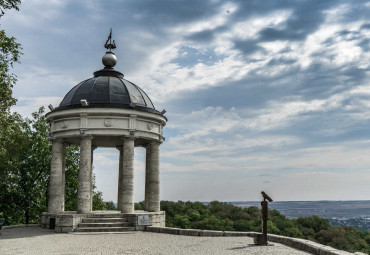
(224,216)
(9,54)
(25,163)
(110,205)
(8,4)
(314,222)
(344,238)
(10,137)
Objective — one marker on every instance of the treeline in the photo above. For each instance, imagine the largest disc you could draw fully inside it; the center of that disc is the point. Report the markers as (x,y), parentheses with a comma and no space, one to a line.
(227,217)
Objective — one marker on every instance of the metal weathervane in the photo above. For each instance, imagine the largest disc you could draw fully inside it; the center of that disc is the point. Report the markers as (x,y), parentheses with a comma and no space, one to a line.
(109,45)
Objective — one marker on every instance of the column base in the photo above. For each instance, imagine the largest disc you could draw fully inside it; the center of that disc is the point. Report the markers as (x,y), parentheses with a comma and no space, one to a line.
(70,221)
(140,219)
(64,222)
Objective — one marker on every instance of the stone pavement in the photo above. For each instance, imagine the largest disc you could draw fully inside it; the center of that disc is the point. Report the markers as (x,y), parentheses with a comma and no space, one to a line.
(34,240)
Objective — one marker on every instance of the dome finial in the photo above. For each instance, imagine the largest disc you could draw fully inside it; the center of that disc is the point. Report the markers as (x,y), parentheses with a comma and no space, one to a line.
(110,46)
(109,59)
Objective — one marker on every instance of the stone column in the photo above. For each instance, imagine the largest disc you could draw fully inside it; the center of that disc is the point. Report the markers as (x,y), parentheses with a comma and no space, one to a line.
(56,200)
(84,176)
(91,177)
(147,175)
(120,180)
(154,180)
(64,174)
(127,194)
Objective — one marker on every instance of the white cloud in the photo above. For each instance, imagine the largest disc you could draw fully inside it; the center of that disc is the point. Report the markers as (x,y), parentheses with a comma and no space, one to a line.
(249,28)
(218,147)
(217,20)
(28,105)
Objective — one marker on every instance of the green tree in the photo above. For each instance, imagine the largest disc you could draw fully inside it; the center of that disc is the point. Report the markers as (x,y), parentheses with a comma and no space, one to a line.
(314,222)
(194,215)
(8,4)
(224,216)
(344,238)
(10,52)
(182,221)
(10,141)
(98,203)
(244,225)
(110,205)
(10,136)
(25,163)
(139,206)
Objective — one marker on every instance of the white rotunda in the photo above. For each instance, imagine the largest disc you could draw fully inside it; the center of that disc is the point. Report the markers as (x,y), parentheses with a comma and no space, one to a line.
(105,111)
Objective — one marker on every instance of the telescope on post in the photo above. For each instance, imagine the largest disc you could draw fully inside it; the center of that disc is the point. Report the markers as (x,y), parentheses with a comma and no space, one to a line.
(261,239)
(265,196)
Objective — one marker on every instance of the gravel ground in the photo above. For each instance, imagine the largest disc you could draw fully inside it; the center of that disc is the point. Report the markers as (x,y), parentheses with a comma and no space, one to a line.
(35,240)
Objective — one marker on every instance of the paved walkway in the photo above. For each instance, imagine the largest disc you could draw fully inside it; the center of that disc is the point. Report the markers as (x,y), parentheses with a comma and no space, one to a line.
(34,240)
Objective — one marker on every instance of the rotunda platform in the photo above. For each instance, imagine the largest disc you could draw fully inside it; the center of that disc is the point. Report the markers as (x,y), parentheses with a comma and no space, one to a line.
(102,221)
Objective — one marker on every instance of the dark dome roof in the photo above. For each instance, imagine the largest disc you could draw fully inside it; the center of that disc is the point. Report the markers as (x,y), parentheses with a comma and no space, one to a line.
(108,89)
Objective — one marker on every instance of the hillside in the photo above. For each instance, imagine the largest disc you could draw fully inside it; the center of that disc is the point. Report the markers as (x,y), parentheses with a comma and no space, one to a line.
(227,217)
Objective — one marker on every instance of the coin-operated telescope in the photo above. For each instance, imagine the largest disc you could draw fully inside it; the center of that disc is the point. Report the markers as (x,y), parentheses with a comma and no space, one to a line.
(261,239)
(265,196)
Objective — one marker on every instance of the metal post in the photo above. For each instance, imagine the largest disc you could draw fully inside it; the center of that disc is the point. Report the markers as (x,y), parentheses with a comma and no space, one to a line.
(264,212)
(261,239)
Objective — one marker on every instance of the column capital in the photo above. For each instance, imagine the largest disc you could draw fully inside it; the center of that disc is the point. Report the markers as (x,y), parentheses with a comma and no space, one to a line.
(150,142)
(127,138)
(86,137)
(155,142)
(61,140)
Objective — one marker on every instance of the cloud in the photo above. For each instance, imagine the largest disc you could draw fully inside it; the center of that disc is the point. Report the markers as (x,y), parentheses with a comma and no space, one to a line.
(251,89)
(27,105)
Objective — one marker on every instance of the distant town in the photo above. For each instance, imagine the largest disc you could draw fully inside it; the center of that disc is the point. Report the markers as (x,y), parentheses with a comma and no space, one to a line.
(339,213)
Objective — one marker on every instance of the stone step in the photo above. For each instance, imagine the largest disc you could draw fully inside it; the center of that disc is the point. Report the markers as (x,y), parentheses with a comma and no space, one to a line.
(105,224)
(104,229)
(105,215)
(102,220)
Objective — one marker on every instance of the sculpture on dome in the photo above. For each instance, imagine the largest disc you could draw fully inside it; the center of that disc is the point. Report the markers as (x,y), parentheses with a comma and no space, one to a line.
(109,45)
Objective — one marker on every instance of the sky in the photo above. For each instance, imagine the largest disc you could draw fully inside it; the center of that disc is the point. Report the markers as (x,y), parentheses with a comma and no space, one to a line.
(260,95)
